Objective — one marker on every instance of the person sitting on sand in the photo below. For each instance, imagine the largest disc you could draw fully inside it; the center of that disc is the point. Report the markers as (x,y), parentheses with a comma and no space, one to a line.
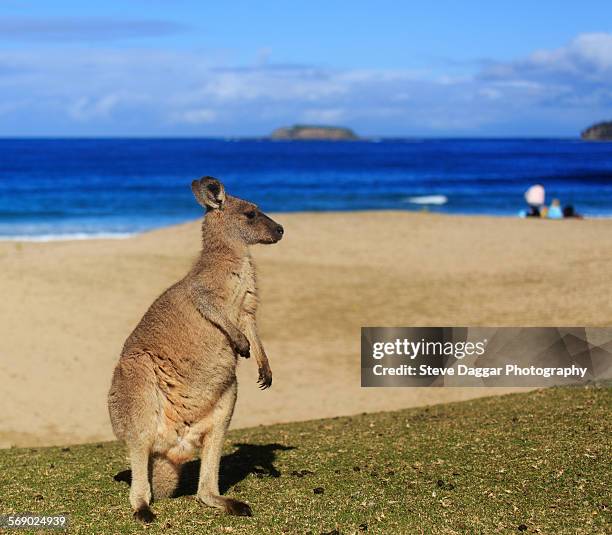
(534,211)
(535,200)
(555,212)
(570,212)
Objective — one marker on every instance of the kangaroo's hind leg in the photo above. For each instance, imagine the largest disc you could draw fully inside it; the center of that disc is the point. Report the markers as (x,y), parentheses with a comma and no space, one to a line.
(140,490)
(208,485)
(133,410)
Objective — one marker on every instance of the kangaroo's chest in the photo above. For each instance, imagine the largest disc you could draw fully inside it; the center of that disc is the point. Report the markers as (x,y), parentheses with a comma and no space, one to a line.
(242,288)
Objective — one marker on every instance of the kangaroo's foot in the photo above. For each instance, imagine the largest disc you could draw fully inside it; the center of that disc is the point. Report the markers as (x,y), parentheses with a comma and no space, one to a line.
(144,514)
(229,505)
(140,498)
(238,508)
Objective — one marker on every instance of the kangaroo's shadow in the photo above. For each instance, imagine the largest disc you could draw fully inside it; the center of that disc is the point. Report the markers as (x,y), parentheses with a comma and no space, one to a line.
(244,460)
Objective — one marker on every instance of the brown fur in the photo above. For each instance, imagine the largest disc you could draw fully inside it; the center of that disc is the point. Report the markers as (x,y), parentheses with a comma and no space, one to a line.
(174,388)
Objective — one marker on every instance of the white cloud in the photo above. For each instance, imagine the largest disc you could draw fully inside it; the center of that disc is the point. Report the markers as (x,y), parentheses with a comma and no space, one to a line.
(328,115)
(573,79)
(197,116)
(88,108)
(586,57)
(139,91)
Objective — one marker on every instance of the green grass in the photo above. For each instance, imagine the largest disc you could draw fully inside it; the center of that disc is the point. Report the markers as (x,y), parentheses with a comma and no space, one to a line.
(536,463)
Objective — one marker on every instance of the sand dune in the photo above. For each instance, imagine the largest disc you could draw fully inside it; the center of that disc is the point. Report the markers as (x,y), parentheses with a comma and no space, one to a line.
(67,307)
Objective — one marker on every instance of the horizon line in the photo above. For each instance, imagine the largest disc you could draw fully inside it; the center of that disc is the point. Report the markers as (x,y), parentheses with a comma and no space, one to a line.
(269,138)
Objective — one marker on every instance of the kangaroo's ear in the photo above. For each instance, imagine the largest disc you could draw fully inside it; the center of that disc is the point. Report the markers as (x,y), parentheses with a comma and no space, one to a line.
(209,192)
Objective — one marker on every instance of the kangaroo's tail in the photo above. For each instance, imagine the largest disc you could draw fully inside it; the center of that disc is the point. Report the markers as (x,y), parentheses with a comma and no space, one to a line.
(165,477)
(170,479)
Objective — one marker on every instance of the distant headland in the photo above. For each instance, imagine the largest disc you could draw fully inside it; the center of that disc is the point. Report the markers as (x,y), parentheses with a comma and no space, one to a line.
(314,132)
(598,132)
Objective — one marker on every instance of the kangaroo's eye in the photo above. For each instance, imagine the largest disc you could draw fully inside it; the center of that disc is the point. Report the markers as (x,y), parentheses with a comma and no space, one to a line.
(250,214)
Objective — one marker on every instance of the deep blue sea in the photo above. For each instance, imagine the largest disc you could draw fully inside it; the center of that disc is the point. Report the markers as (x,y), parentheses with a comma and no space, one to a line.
(98,187)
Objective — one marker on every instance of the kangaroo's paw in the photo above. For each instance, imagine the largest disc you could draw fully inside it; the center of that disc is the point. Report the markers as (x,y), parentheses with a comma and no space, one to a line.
(265,377)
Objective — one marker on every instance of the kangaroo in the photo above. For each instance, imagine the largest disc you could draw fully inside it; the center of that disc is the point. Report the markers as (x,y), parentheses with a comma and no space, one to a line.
(174,388)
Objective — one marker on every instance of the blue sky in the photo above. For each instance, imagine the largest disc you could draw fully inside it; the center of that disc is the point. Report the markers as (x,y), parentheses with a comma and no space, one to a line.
(190,68)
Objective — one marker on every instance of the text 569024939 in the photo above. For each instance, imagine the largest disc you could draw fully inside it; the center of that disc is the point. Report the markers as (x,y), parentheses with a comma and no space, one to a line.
(31,521)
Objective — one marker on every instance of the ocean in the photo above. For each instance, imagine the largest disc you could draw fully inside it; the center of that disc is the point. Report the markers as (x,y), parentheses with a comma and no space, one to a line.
(83,188)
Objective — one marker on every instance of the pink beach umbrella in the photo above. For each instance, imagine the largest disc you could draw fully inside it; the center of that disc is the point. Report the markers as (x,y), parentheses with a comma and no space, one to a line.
(535,195)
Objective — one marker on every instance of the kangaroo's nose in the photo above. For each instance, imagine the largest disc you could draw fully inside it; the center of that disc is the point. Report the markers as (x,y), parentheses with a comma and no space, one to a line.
(280,230)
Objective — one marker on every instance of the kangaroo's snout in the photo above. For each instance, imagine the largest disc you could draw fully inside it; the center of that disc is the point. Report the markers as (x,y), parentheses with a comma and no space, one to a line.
(275,232)
(279,232)
(271,231)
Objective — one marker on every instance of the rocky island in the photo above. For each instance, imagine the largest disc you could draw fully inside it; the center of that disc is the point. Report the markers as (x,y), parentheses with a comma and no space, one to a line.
(314,132)
(598,132)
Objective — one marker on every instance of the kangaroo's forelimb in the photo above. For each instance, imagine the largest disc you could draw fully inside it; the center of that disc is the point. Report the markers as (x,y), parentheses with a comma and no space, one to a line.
(213,314)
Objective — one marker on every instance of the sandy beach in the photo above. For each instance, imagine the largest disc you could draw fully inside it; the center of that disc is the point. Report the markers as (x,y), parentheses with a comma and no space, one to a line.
(67,308)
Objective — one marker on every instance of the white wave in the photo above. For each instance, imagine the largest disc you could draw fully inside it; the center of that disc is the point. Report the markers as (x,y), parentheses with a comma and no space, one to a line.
(69,236)
(428,199)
